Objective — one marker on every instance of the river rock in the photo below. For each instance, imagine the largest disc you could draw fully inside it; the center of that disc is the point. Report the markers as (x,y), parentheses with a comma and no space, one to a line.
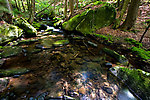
(137,80)
(12,72)
(3,83)
(61,42)
(9,33)
(90,20)
(29,30)
(9,51)
(108,90)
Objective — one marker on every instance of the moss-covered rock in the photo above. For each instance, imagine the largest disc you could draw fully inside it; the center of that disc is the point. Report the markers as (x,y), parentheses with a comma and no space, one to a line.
(136,79)
(121,58)
(9,32)
(29,30)
(9,51)
(12,72)
(91,20)
(61,42)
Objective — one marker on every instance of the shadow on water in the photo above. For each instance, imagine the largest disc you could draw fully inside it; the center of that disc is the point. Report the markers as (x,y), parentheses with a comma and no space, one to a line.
(67,71)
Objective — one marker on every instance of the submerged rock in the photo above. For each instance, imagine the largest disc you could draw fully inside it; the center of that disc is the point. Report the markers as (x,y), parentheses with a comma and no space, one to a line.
(9,51)
(91,20)
(61,42)
(12,72)
(137,80)
(3,83)
(9,33)
(29,30)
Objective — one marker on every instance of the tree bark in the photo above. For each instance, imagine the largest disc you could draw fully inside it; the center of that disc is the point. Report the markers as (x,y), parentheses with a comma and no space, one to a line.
(65,9)
(131,15)
(122,12)
(32,11)
(71,3)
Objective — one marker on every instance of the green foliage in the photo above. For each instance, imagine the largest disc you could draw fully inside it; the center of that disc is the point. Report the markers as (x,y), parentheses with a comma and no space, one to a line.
(133,42)
(141,53)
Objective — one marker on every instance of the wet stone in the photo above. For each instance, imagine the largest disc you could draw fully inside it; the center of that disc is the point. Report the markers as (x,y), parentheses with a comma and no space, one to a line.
(86,59)
(108,64)
(9,51)
(107,90)
(3,83)
(39,46)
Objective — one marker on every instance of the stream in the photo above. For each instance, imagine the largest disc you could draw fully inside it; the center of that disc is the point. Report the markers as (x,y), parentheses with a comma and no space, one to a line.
(62,67)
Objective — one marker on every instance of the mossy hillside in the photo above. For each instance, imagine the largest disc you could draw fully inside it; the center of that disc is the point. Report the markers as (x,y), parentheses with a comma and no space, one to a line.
(138,80)
(91,20)
(9,32)
(141,53)
(29,30)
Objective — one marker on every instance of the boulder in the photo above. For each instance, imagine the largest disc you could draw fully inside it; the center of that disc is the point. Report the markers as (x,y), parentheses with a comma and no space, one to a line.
(9,33)
(137,80)
(29,30)
(90,20)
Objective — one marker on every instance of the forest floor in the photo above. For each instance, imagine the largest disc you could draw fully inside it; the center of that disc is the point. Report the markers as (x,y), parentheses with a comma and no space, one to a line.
(138,29)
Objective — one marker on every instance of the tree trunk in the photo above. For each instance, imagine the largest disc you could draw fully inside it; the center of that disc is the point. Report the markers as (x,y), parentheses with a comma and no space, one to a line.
(32,12)
(71,2)
(77,3)
(65,9)
(122,12)
(131,15)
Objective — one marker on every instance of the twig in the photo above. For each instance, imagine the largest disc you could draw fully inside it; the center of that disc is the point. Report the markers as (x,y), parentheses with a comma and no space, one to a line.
(88,48)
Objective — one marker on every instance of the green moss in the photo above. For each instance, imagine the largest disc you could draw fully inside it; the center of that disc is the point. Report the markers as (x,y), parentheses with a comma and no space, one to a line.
(121,58)
(10,51)
(141,53)
(102,37)
(133,42)
(29,30)
(138,80)
(60,42)
(91,20)
(11,72)
(74,21)
(9,32)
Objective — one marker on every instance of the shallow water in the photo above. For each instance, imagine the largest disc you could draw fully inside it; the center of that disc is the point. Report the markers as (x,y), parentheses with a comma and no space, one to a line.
(70,71)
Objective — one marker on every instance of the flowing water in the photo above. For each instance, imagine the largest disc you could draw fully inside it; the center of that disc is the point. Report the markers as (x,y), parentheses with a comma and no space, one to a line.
(74,70)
